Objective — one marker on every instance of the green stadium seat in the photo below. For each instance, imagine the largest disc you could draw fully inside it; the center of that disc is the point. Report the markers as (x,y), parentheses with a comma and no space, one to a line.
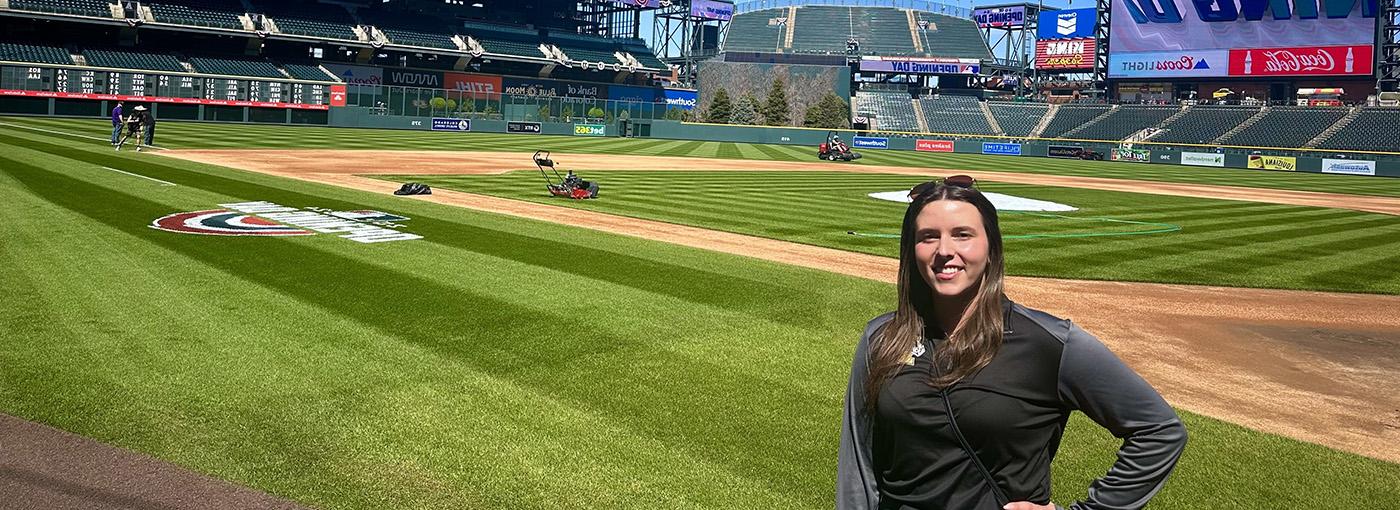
(1373,129)
(122,59)
(250,68)
(94,8)
(1203,124)
(13,52)
(1071,116)
(892,110)
(199,13)
(1017,119)
(1287,126)
(1125,121)
(955,114)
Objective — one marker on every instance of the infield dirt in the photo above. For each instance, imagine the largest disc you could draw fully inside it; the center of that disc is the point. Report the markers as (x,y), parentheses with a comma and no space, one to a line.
(1315,366)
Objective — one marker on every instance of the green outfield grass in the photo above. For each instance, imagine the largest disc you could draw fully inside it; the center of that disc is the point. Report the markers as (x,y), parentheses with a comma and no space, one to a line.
(210,135)
(1220,242)
(497,363)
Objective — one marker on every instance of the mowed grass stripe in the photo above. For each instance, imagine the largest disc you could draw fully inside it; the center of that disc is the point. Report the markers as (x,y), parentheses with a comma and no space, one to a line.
(1225,240)
(440,412)
(194,135)
(541,355)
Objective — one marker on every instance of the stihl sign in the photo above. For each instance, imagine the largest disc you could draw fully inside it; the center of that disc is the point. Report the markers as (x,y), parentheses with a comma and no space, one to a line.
(1065,54)
(1315,60)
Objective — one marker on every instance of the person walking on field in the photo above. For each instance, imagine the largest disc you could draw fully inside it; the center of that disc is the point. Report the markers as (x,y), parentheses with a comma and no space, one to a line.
(117,121)
(959,398)
(133,128)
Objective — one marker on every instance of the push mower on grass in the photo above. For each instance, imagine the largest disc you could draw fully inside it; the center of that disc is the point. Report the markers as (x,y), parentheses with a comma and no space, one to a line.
(568,186)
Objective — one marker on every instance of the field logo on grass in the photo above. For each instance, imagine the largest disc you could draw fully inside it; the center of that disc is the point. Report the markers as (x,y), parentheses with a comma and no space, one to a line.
(589,130)
(269,219)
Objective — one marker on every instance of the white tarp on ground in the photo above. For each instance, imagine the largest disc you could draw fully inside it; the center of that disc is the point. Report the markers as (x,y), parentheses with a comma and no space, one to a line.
(1002,202)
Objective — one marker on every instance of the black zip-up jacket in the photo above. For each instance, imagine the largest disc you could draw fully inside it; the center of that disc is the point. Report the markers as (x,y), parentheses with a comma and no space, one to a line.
(1012,414)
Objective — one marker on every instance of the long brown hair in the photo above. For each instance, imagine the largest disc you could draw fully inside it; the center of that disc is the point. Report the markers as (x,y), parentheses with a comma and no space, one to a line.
(976,338)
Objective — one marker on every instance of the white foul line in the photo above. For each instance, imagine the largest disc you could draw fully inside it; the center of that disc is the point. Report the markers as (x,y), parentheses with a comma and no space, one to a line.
(65,133)
(163,183)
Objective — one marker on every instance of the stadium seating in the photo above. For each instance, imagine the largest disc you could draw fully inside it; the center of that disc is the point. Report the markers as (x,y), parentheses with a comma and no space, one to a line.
(33,53)
(893,111)
(1069,117)
(1203,124)
(947,36)
(1018,119)
(955,114)
(751,32)
(1287,126)
(200,13)
(821,29)
(97,8)
(505,40)
(121,59)
(321,20)
(254,68)
(1374,129)
(415,38)
(882,31)
(1125,121)
(643,53)
(585,48)
(307,72)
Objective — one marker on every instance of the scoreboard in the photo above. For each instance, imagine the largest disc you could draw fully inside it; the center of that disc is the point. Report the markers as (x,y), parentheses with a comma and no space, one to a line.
(161,87)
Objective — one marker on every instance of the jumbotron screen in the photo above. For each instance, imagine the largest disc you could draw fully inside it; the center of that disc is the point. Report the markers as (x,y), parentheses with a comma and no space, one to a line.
(1241,38)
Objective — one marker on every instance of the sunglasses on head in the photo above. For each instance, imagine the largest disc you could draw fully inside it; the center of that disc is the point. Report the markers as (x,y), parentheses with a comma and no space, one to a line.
(958,181)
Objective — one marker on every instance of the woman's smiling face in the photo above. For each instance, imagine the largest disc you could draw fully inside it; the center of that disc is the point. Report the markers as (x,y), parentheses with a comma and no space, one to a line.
(951,248)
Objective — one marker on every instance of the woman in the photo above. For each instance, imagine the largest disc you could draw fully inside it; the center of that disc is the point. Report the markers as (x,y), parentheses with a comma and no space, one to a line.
(958,399)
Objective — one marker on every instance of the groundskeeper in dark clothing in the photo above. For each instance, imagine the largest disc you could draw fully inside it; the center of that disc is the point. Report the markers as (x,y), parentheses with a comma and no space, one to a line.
(148,123)
(1012,414)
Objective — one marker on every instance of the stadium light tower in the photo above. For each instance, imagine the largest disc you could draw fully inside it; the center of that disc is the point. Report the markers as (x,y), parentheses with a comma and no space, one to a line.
(1388,36)
(686,32)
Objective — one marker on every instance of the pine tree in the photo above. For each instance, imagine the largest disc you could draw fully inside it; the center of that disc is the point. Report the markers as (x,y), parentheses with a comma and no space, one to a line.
(776,111)
(746,111)
(830,112)
(720,108)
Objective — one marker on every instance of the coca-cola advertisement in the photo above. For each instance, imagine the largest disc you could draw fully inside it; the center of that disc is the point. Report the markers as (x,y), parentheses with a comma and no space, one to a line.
(1306,61)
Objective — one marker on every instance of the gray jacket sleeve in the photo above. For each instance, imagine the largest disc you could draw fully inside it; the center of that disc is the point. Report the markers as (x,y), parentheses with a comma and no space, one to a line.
(855,475)
(1093,380)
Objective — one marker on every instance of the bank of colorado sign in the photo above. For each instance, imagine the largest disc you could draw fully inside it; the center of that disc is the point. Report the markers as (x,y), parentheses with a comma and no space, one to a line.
(1065,53)
(911,65)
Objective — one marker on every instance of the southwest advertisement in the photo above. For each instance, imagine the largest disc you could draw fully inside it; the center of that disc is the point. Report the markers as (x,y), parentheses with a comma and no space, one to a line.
(1273,162)
(870,142)
(1241,38)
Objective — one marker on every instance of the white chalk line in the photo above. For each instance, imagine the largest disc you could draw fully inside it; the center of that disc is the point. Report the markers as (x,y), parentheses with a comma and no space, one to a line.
(163,183)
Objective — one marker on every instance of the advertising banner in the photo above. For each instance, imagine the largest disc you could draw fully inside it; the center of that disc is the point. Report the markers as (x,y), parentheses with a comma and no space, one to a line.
(1203,159)
(934,145)
(523,127)
(1004,149)
(1133,155)
(413,78)
(711,9)
(915,65)
(1171,64)
(479,85)
(683,99)
(1273,162)
(550,88)
(1236,27)
(1348,167)
(337,95)
(356,75)
(870,142)
(1013,16)
(630,93)
(590,130)
(1065,53)
(1066,24)
(1063,151)
(442,124)
(1307,61)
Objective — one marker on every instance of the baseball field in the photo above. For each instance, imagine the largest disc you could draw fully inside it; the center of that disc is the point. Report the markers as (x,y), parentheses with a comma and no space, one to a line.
(681,342)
